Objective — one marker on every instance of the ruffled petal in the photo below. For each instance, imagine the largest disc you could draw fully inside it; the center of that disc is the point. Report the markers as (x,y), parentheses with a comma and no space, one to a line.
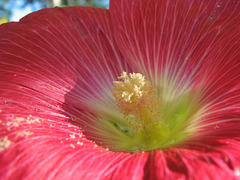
(33,147)
(217,161)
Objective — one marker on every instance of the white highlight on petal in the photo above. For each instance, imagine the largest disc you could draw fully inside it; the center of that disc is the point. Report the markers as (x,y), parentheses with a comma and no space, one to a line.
(72,145)
(237,171)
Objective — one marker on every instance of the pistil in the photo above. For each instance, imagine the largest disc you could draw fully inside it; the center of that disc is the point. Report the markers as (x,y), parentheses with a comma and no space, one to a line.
(136,98)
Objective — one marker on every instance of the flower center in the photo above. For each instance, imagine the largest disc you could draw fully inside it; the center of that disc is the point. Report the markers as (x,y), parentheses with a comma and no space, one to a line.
(144,117)
(136,98)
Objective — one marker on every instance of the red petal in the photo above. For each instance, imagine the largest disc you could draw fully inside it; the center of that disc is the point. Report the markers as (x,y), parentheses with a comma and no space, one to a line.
(55,59)
(186,43)
(216,161)
(41,61)
(44,144)
(184,40)
(50,153)
(56,50)
(52,148)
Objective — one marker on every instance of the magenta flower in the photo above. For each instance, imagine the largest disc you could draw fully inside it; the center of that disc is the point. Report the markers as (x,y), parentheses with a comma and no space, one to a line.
(149,89)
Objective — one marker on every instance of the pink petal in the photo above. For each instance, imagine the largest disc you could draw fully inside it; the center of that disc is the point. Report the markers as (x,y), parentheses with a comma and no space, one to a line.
(215,162)
(45,144)
(57,62)
(52,61)
(189,44)
(56,50)
(190,41)
(51,153)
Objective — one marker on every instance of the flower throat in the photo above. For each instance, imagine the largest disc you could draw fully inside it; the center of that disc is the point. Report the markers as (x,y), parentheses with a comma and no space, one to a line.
(137,101)
(143,117)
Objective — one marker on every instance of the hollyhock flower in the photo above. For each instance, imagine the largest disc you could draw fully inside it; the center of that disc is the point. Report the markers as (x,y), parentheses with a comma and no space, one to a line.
(148,89)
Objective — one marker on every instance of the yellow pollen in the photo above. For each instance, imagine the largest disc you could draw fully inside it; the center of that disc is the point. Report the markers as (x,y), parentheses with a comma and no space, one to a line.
(136,98)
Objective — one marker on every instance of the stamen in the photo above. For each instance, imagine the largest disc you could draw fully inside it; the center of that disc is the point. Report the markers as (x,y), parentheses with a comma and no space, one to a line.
(136,98)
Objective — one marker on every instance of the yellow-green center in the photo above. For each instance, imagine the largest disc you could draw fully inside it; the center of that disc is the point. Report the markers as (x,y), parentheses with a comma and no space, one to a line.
(150,123)
(145,118)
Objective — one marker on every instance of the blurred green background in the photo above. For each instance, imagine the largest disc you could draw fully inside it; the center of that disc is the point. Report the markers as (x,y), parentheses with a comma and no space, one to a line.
(13,10)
